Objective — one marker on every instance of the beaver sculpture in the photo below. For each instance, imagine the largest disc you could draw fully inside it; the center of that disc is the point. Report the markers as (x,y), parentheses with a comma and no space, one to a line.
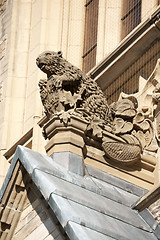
(71,87)
(68,88)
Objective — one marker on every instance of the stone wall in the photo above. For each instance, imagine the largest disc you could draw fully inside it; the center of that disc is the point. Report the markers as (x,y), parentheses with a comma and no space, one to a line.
(29,27)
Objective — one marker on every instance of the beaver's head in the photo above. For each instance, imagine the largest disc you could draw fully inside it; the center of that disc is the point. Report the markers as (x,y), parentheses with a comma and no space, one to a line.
(49,62)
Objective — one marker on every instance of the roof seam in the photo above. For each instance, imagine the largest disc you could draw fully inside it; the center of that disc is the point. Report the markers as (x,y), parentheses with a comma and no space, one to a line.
(80,186)
(102,212)
(81,224)
(119,186)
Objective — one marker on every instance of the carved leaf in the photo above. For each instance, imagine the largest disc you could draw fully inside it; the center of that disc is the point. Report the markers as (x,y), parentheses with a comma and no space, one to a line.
(97,131)
(130,113)
(153,146)
(143,126)
(119,123)
(138,118)
(122,126)
(65,116)
(96,127)
(158,126)
(67,99)
(128,126)
(148,137)
(141,137)
(131,139)
(145,133)
(124,108)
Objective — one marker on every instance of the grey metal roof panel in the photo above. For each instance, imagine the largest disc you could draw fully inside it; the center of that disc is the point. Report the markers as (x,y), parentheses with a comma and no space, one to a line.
(89,206)
(67,210)
(100,188)
(80,232)
(32,160)
(151,221)
(114,181)
(116,193)
(86,198)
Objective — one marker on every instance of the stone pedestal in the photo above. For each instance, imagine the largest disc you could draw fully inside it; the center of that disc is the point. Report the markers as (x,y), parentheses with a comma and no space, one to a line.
(66,142)
(65,137)
(73,145)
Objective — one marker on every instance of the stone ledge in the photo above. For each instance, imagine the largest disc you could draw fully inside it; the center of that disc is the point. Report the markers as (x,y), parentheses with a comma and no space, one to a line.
(148,199)
(72,138)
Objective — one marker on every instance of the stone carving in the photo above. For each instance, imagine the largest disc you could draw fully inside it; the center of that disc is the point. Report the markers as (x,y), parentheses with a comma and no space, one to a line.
(132,126)
(156,102)
(68,91)
(148,110)
(67,87)
(154,208)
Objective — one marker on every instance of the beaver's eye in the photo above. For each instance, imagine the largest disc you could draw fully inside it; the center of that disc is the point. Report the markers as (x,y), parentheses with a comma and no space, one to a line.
(59,53)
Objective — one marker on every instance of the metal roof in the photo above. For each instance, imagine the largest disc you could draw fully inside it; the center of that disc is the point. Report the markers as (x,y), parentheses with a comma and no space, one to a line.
(94,206)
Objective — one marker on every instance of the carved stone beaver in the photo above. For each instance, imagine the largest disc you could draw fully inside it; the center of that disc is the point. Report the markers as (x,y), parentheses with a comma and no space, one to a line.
(67,88)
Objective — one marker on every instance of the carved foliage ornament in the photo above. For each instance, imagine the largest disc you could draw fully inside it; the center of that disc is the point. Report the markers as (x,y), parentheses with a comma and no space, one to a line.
(68,91)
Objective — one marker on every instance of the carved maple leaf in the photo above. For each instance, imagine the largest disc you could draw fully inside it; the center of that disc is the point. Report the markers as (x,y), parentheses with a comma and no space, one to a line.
(67,98)
(96,127)
(65,115)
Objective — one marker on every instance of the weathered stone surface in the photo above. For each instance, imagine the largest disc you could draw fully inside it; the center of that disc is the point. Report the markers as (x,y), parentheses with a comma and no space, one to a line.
(67,87)
(67,92)
(155,210)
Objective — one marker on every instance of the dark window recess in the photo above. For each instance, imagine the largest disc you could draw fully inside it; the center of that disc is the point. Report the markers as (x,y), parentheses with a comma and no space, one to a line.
(128,80)
(131,15)
(90,35)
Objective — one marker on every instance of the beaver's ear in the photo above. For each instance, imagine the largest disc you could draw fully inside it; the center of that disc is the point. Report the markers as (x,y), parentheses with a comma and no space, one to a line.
(59,53)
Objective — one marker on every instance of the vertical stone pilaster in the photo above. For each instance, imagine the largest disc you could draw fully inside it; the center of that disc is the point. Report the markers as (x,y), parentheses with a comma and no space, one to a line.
(109,32)
(3,44)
